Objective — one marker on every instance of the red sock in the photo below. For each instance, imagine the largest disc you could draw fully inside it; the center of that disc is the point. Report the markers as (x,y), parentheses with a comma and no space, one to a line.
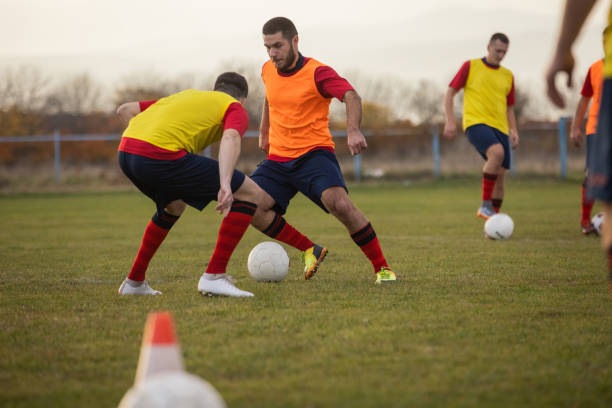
(231,231)
(497,203)
(282,231)
(488,183)
(587,204)
(366,239)
(154,235)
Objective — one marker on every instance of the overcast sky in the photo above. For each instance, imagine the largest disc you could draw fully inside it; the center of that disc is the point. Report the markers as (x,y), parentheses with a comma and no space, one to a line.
(403,38)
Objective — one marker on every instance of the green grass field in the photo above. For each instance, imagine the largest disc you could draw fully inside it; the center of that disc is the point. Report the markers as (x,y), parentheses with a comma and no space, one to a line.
(471,322)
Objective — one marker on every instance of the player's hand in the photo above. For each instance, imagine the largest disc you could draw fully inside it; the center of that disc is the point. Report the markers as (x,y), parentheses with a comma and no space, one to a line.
(514,138)
(450,130)
(224,200)
(576,136)
(264,142)
(356,141)
(562,62)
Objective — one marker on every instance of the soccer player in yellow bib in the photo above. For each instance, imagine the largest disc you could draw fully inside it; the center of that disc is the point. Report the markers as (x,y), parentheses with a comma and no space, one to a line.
(488,117)
(600,159)
(158,153)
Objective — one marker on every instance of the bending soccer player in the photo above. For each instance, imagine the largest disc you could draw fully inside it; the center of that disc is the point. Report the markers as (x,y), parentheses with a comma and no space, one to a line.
(600,158)
(158,154)
(591,89)
(488,118)
(294,131)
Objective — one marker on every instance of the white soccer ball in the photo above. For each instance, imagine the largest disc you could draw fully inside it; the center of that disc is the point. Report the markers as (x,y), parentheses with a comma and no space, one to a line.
(268,262)
(499,226)
(172,390)
(597,222)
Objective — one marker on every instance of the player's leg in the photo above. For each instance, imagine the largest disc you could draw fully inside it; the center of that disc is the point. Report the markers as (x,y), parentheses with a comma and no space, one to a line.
(155,233)
(497,197)
(586,202)
(274,179)
(269,221)
(141,170)
(320,179)
(490,178)
(215,281)
(600,167)
(586,206)
(338,203)
(485,140)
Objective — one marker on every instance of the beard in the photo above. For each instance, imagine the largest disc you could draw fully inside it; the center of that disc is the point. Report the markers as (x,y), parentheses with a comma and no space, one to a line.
(288,60)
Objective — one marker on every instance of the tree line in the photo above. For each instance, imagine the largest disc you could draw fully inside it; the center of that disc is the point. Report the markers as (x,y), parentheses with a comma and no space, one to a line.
(32,102)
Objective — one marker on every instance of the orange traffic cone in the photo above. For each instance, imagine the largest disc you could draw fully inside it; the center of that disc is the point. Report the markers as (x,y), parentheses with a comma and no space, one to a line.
(161,380)
(160,350)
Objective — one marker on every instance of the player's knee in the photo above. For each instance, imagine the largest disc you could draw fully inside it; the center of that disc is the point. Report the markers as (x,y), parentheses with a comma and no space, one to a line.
(251,192)
(339,206)
(176,208)
(496,153)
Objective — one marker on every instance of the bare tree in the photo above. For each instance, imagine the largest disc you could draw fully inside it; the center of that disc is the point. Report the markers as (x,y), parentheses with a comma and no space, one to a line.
(147,86)
(426,102)
(78,95)
(23,88)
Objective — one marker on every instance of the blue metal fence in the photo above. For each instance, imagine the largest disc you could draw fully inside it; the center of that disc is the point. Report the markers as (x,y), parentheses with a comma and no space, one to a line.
(58,138)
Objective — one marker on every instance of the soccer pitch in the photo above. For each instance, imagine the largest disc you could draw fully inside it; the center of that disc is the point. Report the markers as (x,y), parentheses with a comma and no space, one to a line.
(471,322)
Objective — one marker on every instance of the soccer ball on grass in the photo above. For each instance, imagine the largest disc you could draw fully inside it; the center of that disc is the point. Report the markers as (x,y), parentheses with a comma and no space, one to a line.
(499,226)
(268,262)
(597,222)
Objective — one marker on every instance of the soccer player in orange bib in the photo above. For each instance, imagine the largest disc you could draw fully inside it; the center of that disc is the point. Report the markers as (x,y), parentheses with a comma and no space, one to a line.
(158,153)
(591,92)
(294,132)
(488,118)
(600,158)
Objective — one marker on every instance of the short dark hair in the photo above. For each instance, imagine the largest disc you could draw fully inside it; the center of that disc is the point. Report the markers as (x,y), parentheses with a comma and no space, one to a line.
(282,24)
(232,84)
(501,37)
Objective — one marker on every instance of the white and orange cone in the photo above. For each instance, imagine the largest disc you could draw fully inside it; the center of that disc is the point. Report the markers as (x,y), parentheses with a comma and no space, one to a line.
(161,380)
(160,350)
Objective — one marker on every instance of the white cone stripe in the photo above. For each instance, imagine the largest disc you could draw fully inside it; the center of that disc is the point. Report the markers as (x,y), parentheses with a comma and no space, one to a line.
(156,359)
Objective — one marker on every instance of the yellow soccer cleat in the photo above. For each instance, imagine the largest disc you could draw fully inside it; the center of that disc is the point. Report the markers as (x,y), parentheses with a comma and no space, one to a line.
(312,258)
(385,275)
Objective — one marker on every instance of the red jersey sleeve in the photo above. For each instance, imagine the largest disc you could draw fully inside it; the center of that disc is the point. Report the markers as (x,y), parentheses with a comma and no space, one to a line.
(587,87)
(510,96)
(330,84)
(460,78)
(145,104)
(237,118)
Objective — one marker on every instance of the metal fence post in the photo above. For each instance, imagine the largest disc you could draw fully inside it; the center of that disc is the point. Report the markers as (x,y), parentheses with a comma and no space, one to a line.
(57,155)
(563,146)
(435,147)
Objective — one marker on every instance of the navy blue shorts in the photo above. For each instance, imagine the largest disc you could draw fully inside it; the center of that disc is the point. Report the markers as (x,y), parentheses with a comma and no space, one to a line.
(600,156)
(482,137)
(310,174)
(192,178)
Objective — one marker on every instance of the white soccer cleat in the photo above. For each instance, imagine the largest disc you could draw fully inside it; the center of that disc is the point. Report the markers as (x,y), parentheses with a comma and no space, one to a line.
(220,286)
(130,287)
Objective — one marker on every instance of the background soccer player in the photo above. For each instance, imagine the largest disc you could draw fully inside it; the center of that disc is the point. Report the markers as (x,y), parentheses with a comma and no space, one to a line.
(488,117)
(294,131)
(591,89)
(600,160)
(158,154)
